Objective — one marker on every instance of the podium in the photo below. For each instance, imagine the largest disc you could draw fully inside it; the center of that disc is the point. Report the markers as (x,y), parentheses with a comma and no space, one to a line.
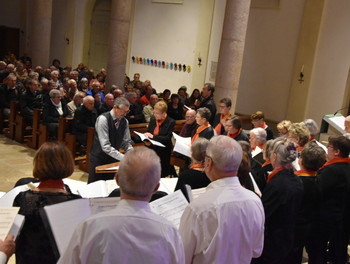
(332,125)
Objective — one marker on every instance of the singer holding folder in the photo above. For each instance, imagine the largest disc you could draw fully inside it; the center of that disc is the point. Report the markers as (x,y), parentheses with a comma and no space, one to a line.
(160,129)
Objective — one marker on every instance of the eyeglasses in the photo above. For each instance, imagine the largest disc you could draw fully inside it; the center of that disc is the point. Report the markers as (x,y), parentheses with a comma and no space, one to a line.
(124,112)
(190,117)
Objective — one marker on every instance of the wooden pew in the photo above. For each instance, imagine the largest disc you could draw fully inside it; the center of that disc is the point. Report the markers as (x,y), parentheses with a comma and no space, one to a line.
(34,140)
(43,134)
(3,120)
(10,131)
(85,164)
(64,134)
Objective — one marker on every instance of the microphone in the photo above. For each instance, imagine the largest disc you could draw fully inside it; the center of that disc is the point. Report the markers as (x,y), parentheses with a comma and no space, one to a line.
(341,109)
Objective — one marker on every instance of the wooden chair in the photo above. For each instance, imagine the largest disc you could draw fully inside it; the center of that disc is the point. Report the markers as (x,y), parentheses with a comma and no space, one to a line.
(178,125)
(34,140)
(10,131)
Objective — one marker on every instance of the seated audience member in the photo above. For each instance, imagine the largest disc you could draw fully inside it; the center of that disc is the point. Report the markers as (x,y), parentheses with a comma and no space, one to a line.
(160,129)
(347,124)
(220,118)
(74,75)
(117,92)
(129,88)
(175,108)
(145,99)
(183,97)
(207,100)
(83,85)
(190,126)
(257,141)
(98,101)
(281,198)
(111,134)
(282,128)
(307,233)
(258,121)
(75,103)
(204,128)
(45,90)
(85,116)
(135,116)
(148,109)
(107,104)
(141,235)
(73,89)
(136,79)
(7,248)
(9,92)
(54,109)
(233,128)
(333,178)
(226,223)
(166,96)
(21,72)
(30,100)
(57,64)
(312,127)
(52,163)
(55,75)
(194,96)
(299,134)
(95,89)
(195,175)
(65,86)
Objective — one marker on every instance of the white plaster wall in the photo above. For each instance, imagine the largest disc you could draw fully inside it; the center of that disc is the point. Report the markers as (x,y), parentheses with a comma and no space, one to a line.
(330,73)
(164,32)
(268,61)
(10,13)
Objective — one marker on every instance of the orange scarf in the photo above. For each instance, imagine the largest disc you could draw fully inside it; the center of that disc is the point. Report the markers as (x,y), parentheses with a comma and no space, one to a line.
(235,134)
(200,130)
(158,124)
(336,160)
(219,126)
(305,173)
(264,126)
(299,149)
(275,171)
(266,163)
(197,166)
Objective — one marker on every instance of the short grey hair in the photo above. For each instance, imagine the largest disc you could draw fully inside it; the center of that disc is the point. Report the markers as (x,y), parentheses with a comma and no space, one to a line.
(312,126)
(44,81)
(33,74)
(260,134)
(130,94)
(284,149)
(54,72)
(88,98)
(3,63)
(139,172)
(225,152)
(120,101)
(54,92)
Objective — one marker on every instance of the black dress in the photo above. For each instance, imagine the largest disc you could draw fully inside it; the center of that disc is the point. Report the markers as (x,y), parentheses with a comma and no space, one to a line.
(164,137)
(32,244)
(194,178)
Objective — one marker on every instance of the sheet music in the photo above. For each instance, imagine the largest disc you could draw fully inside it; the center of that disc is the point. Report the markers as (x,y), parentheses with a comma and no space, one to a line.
(74,185)
(256,188)
(7,199)
(17,225)
(75,211)
(337,122)
(7,217)
(2,194)
(170,207)
(168,185)
(94,189)
(143,137)
(113,168)
(111,185)
(182,145)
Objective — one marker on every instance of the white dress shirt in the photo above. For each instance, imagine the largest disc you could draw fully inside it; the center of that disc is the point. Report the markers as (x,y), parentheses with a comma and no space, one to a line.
(223,225)
(130,233)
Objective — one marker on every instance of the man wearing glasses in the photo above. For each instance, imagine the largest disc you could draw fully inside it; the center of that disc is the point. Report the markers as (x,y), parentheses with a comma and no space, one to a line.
(190,126)
(111,134)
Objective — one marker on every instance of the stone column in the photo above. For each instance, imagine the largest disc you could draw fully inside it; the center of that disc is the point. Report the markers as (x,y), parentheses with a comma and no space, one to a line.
(41,32)
(118,42)
(231,49)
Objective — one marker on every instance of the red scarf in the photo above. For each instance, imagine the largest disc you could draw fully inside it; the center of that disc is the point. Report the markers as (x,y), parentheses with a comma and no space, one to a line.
(264,126)
(52,184)
(305,173)
(275,171)
(266,163)
(235,134)
(200,130)
(299,149)
(336,160)
(158,124)
(197,166)
(219,126)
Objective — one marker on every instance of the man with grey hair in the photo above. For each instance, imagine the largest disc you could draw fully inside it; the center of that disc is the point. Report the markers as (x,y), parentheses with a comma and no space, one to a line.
(135,115)
(75,103)
(85,116)
(9,92)
(226,223)
(257,140)
(130,233)
(107,104)
(148,109)
(111,134)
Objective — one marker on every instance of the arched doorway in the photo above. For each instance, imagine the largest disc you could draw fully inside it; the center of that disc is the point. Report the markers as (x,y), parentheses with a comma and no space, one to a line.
(99,35)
